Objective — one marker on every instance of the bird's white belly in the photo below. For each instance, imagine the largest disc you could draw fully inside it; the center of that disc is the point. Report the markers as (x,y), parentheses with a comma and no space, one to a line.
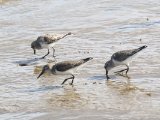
(44,45)
(125,62)
(68,72)
(51,45)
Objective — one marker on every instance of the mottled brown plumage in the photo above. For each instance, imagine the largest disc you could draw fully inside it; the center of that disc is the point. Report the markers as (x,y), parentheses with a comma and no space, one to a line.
(47,41)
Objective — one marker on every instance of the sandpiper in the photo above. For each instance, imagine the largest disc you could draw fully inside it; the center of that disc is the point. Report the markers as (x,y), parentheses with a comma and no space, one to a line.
(64,68)
(47,41)
(121,58)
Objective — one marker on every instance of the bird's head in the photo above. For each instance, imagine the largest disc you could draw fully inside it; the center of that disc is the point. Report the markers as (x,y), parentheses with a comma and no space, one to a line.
(69,33)
(108,65)
(44,70)
(33,46)
(36,44)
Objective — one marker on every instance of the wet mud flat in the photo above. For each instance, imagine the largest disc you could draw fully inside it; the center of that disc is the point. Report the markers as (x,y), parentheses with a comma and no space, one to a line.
(100,28)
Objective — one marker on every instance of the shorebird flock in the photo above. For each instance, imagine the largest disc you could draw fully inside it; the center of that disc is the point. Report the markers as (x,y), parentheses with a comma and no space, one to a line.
(48,41)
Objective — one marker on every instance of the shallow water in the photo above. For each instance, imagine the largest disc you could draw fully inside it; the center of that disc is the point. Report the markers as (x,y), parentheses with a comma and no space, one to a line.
(100,28)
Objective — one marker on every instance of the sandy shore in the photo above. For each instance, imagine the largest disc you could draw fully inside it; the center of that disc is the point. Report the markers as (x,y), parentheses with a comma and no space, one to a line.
(97,115)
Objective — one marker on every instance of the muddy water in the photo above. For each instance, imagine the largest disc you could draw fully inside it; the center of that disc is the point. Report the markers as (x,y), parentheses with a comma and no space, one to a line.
(100,28)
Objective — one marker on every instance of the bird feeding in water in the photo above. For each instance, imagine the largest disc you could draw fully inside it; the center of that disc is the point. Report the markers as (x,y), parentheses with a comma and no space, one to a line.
(47,41)
(121,58)
(64,68)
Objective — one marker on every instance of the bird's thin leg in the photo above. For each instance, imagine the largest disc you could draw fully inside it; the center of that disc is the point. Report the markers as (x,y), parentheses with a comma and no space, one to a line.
(127,69)
(123,75)
(46,54)
(53,52)
(120,71)
(65,80)
(72,80)
(68,79)
(108,77)
(127,72)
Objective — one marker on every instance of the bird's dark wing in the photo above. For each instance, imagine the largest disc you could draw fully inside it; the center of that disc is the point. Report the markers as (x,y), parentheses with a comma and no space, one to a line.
(64,66)
(123,55)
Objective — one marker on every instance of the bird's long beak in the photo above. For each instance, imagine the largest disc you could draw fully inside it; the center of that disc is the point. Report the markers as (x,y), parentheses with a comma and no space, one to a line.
(34,51)
(107,74)
(41,73)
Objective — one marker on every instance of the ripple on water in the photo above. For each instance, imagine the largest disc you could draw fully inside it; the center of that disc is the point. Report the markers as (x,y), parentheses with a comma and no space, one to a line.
(100,28)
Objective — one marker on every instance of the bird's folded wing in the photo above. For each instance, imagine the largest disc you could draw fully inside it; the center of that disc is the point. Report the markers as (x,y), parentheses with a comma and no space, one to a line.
(123,55)
(64,66)
(51,38)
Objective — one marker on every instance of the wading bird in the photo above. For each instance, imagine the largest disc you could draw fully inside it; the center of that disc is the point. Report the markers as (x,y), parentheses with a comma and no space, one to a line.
(46,42)
(64,68)
(121,58)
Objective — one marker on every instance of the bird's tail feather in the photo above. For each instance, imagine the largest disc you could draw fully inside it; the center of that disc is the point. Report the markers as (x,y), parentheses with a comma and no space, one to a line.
(87,59)
(139,49)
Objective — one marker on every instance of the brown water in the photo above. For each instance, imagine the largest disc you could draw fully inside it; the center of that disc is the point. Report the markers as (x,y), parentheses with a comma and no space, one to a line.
(100,28)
